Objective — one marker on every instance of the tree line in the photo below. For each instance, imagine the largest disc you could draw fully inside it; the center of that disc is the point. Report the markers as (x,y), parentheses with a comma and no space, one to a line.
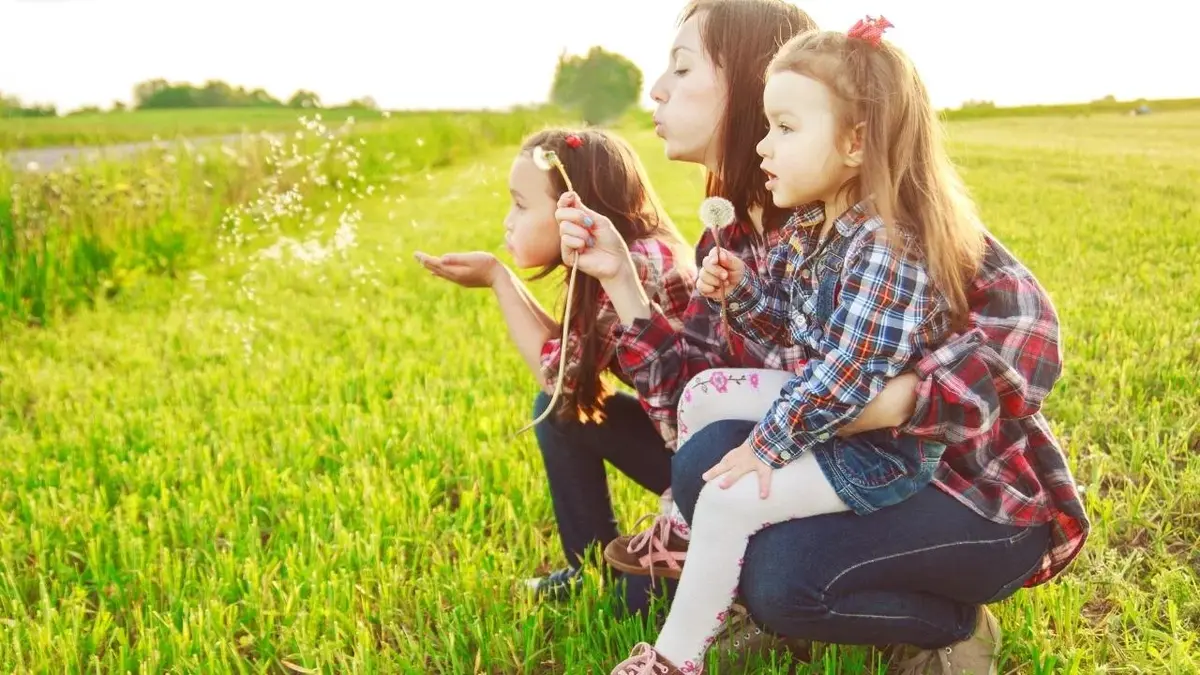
(599,86)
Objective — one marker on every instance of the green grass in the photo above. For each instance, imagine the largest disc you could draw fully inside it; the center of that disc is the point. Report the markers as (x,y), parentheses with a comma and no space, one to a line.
(192,482)
(145,125)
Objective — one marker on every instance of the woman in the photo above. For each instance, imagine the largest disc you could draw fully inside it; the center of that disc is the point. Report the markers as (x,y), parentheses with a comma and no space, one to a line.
(1001,515)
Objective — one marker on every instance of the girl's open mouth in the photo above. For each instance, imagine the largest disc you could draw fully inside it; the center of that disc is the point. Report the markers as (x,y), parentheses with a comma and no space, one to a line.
(771,179)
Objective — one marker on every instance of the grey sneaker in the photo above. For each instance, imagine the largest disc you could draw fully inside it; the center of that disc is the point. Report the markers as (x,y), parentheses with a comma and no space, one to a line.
(558,586)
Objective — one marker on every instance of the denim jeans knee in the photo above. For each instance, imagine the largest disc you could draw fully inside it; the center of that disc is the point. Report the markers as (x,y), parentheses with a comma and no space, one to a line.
(700,454)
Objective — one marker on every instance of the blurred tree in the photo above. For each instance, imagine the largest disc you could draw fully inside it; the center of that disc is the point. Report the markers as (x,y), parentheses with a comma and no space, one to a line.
(600,85)
(364,103)
(214,94)
(304,99)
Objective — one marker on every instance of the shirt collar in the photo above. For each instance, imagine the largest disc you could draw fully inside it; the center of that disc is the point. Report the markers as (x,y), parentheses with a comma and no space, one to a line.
(853,218)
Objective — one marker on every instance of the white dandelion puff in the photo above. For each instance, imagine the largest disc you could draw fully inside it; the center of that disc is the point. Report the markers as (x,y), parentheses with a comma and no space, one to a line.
(717,212)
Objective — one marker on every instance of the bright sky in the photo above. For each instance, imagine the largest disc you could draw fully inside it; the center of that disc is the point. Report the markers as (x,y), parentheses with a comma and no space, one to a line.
(412,54)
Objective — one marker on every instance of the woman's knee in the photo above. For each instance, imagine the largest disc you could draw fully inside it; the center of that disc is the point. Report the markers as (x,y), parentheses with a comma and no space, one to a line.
(780,578)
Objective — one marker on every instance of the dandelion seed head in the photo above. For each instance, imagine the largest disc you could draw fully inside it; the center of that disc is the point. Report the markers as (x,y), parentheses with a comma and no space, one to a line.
(717,212)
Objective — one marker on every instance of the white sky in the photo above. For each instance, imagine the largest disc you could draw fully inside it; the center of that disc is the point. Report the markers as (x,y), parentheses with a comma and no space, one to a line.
(408,54)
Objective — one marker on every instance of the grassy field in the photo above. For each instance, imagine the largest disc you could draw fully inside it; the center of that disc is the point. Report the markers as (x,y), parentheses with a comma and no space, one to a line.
(145,125)
(309,469)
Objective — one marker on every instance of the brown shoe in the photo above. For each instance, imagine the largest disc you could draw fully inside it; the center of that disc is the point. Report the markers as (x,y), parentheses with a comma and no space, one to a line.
(740,638)
(656,551)
(977,655)
(643,660)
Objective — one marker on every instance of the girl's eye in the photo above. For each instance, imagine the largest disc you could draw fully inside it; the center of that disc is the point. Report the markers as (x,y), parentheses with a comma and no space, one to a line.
(680,72)
(784,128)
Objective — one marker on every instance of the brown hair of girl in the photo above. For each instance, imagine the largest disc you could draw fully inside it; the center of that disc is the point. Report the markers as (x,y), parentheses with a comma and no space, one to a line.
(608,176)
(906,169)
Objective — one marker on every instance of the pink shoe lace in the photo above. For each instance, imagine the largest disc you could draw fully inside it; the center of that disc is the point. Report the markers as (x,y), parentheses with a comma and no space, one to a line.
(643,660)
(650,545)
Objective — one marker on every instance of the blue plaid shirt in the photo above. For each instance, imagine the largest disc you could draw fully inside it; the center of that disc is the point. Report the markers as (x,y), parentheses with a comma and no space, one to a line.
(886,317)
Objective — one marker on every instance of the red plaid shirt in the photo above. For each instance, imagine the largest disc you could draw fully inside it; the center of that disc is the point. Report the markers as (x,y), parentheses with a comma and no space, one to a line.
(668,283)
(980,394)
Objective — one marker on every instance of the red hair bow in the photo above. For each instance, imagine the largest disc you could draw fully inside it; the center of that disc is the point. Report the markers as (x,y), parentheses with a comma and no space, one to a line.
(870,29)
(574,141)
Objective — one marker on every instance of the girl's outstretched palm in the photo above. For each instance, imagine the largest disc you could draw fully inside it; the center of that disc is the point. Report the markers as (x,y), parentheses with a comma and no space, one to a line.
(602,252)
(475,269)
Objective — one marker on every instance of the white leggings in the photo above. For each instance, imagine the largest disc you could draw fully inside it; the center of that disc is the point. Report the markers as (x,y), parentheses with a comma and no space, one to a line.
(725,519)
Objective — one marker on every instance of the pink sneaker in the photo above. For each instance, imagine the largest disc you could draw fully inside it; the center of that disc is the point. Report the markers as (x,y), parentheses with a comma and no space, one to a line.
(643,660)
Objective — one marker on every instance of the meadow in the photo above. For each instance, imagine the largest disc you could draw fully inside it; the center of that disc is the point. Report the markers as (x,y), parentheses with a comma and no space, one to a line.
(274,444)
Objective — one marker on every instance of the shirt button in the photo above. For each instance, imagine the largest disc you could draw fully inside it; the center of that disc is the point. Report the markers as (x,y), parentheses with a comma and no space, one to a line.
(734,306)
(805,274)
(787,454)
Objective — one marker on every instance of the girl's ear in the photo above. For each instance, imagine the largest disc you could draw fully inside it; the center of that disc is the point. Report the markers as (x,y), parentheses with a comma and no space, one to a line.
(853,149)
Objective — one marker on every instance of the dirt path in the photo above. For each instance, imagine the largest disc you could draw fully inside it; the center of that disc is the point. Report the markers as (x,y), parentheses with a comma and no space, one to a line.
(44,159)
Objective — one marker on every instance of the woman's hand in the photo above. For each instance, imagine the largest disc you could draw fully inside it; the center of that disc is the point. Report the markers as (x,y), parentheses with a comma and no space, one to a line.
(739,462)
(476,269)
(602,252)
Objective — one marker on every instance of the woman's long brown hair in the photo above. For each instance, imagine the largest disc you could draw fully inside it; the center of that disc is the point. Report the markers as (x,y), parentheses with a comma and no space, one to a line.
(740,37)
(610,179)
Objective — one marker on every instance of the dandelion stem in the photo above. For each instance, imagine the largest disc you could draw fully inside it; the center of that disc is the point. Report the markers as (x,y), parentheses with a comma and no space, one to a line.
(566,327)
(724,290)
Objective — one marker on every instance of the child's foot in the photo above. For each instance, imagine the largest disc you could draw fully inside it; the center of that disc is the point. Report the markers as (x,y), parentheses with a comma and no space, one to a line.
(657,551)
(643,660)
(558,585)
(977,655)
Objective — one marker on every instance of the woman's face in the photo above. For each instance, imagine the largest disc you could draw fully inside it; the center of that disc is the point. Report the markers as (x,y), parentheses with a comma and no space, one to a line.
(530,232)
(691,100)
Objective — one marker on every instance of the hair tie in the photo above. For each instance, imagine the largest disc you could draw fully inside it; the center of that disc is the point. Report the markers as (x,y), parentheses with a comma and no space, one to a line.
(574,141)
(870,30)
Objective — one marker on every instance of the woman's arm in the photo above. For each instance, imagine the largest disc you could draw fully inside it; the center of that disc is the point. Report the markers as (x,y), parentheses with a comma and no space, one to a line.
(891,408)
(1001,368)
(659,350)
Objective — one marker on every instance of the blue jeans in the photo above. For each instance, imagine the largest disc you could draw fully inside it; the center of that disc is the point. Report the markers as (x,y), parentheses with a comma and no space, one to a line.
(574,455)
(912,573)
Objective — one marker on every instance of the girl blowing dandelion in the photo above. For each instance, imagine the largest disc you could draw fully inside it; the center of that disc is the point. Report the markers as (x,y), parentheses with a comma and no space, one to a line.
(602,169)
(871,277)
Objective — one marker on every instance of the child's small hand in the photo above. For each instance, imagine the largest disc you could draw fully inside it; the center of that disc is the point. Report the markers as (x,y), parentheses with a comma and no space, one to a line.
(476,269)
(739,462)
(721,271)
